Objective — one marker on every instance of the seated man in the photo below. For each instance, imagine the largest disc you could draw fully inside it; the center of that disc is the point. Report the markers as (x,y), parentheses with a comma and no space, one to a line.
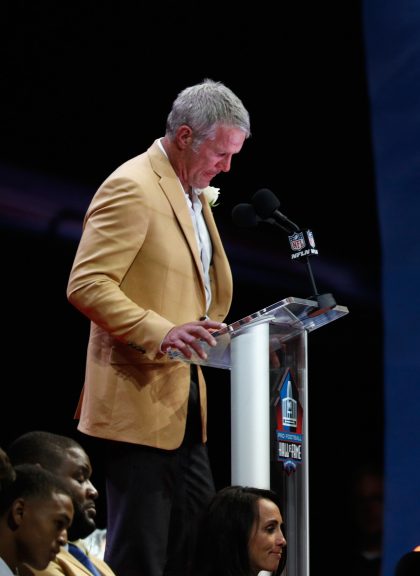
(36,510)
(66,458)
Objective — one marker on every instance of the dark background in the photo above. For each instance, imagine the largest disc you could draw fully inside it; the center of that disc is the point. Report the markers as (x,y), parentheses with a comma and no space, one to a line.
(85,86)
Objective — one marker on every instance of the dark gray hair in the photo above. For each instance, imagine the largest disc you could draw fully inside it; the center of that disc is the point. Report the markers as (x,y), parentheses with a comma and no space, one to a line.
(203,107)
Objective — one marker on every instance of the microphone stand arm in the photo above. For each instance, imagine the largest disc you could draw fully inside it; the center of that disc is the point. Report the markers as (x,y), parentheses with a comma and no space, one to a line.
(311,277)
(324,300)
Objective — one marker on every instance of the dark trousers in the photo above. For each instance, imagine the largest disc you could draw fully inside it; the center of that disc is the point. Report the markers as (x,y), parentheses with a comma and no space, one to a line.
(154,501)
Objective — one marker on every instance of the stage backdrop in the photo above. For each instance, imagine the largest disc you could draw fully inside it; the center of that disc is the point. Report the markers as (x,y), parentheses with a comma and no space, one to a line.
(392,36)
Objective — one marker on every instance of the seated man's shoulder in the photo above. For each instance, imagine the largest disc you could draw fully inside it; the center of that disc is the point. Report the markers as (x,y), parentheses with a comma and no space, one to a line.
(66,564)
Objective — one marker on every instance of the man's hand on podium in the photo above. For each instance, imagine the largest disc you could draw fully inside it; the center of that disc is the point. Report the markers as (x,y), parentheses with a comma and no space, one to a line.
(187,337)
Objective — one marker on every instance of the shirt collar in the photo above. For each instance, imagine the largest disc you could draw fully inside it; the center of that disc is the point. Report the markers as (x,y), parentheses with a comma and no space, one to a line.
(195,191)
(5,570)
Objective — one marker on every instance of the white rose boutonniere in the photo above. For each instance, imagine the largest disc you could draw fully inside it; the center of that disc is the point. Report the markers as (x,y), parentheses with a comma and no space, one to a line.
(212,194)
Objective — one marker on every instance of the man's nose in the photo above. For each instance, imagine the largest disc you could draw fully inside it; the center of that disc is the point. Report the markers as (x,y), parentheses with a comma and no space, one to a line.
(225,164)
(92,491)
(63,538)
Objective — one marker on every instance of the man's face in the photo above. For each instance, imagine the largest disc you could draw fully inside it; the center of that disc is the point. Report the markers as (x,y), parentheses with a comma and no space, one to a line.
(213,156)
(77,470)
(42,527)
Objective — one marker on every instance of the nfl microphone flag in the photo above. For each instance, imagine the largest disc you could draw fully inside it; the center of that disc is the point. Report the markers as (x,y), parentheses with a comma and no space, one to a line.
(302,244)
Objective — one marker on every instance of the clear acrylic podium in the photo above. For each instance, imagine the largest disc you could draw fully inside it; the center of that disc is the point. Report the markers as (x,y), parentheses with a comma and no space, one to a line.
(267,355)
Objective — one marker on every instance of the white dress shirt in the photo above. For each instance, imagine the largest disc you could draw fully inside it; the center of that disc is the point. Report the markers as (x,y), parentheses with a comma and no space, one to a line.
(201,233)
(4,569)
(203,239)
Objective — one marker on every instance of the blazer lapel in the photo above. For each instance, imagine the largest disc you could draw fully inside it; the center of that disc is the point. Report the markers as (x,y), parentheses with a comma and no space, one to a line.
(211,225)
(171,187)
(66,557)
(220,272)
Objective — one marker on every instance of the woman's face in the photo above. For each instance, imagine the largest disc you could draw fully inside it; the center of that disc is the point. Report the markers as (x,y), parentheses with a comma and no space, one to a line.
(267,542)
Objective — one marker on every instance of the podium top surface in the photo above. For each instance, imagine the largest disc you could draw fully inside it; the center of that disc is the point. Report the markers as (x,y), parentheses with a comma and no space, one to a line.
(287,318)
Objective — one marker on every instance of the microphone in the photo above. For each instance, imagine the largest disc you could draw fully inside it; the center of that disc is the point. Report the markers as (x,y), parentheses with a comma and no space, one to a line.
(266,205)
(244,216)
(265,208)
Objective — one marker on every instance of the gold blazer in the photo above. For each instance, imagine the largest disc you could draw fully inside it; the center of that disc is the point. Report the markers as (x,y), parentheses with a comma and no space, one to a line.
(136,274)
(66,564)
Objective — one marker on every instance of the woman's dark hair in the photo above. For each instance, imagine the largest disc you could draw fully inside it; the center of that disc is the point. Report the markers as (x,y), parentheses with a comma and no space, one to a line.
(222,544)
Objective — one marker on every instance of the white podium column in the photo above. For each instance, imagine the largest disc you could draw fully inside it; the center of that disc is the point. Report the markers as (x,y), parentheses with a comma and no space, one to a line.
(250,406)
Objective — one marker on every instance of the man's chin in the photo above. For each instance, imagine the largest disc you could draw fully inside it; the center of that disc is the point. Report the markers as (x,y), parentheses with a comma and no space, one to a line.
(81,530)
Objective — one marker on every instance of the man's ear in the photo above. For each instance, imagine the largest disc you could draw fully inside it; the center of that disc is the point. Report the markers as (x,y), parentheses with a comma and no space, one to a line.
(184,136)
(16,512)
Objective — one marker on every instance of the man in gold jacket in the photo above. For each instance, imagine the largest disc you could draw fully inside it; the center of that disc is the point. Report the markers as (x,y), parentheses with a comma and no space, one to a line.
(151,274)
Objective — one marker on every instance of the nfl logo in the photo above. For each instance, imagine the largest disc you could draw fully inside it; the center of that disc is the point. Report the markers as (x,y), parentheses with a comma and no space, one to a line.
(311,238)
(297,241)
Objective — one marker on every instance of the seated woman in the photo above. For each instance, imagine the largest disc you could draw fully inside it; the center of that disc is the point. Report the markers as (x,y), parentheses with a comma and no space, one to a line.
(241,534)
(35,511)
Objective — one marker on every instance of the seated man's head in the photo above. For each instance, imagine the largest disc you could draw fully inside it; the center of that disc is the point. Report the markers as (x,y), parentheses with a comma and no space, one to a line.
(36,510)
(66,458)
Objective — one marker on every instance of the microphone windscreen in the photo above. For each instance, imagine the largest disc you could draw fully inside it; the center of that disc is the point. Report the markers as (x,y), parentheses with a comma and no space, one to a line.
(265,203)
(243,215)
